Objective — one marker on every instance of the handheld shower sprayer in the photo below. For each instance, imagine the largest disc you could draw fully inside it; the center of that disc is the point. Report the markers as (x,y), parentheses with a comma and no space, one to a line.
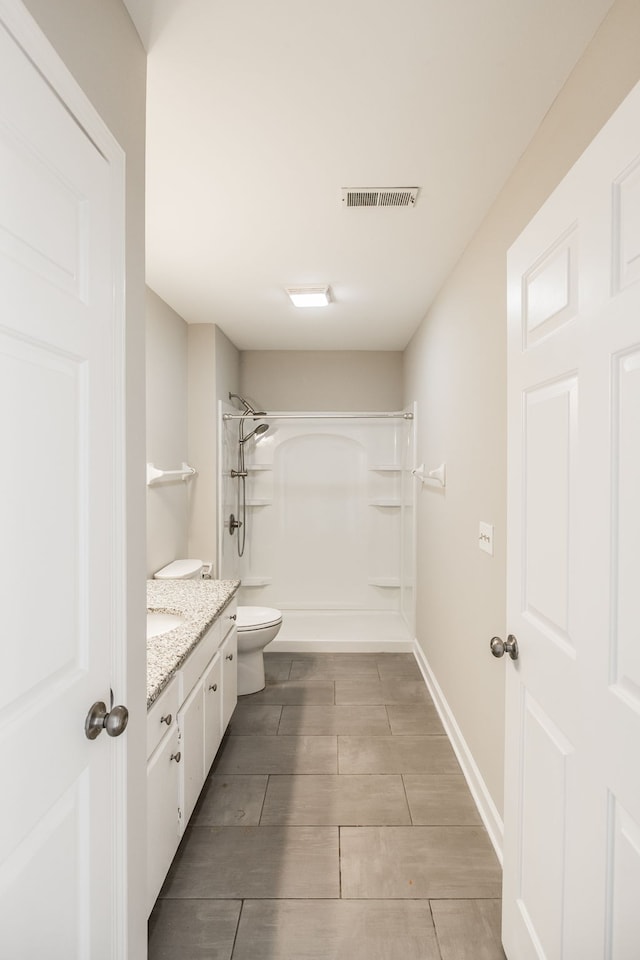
(260,429)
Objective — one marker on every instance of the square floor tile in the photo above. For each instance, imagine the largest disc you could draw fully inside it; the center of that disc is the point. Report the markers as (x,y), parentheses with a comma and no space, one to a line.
(314,721)
(262,719)
(399,665)
(193,929)
(396,755)
(414,720)
(315,692)
(335,930)
(468,929)
(277,755)
(335,800)
(418,863)
(395,690)
(335,667)
(440,800)
(228,801)
(255,862)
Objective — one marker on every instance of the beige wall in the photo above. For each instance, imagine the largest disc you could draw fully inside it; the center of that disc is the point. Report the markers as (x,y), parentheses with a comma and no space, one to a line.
(322,380)
(99,45)
(166,431)
(228,359)
(213,371)
(455,367)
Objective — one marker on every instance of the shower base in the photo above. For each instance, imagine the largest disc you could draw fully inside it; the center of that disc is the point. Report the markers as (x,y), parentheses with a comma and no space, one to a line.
(342,631)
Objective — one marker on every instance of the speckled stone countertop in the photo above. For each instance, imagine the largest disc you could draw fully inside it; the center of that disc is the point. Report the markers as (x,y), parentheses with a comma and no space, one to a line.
(199,602)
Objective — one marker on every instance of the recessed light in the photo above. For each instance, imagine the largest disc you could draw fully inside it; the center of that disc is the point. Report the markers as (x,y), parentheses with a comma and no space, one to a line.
(309,296)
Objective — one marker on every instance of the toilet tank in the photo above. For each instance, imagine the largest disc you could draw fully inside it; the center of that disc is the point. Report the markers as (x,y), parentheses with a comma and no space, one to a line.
(180,570)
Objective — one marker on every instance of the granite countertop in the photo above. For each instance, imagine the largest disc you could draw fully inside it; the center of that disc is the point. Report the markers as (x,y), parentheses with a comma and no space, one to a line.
(199,602)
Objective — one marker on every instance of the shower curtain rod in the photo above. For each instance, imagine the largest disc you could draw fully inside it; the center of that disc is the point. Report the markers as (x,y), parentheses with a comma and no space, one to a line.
(320,416)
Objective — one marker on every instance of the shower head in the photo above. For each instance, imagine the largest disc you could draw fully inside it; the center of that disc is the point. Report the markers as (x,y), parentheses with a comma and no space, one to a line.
(249,409)
(260,429)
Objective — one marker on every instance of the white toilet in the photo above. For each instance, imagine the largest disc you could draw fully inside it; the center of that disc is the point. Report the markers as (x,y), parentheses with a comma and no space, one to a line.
(180,570)
(257,626)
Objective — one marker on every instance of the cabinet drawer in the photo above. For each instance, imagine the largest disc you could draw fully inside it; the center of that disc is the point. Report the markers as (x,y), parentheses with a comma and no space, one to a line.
(228,618)
(161,715)
(195,664)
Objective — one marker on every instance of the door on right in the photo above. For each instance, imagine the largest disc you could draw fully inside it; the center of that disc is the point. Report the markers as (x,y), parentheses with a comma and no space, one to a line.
(572,783)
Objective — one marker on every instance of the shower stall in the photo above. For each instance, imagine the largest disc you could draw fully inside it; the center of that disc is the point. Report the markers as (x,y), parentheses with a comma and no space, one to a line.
(316,518)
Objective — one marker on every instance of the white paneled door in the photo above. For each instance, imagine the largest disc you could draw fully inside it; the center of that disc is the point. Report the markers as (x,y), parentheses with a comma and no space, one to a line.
(572,795)
(62,825)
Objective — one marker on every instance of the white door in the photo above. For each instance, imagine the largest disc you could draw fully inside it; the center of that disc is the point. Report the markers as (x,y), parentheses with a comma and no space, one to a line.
(62,811)
(572,795)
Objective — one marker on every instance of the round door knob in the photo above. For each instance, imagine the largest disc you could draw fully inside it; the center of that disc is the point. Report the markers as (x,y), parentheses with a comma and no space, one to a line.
(233,616)
(116,721)
(166,719)
(213,686)
(499,647)
(98,719)
(176,756)
(229,656)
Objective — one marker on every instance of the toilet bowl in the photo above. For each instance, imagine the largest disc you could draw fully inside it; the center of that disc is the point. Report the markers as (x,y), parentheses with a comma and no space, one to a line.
(257,626)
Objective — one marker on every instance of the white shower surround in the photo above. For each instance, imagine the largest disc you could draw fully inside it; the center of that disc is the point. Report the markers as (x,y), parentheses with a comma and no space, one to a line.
(330,528)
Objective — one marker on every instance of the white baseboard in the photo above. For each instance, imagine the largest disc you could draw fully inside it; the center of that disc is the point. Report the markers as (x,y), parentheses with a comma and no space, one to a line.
(339,646)
(486,807)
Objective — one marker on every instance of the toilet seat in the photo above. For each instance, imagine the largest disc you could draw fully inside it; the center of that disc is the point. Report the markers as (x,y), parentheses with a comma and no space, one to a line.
(255,618)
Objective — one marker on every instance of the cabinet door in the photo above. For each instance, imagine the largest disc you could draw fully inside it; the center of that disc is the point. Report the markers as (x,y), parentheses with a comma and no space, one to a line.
(229,654)
(212,692)
(161,716)
(163,833)
(191,726)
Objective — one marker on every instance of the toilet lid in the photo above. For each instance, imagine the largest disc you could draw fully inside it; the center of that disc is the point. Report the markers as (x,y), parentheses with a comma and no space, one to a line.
(179,570)
(249,617)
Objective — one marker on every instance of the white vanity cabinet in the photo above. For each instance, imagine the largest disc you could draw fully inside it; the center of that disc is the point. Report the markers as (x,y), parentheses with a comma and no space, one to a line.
(185,726)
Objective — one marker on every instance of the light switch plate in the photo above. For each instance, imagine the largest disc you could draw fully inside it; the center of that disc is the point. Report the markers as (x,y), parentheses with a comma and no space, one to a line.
(485,537)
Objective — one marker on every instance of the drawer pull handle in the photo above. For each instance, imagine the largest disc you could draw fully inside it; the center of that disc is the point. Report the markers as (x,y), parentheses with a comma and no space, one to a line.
(213,686)
(166,719)
(233,616)
(229,656)
(176,756)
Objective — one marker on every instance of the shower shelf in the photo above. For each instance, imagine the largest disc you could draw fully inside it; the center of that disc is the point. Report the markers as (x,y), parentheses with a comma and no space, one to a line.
(154,474)
(393,582)
(385,503)
(255,581)
(386,468)
(259,503)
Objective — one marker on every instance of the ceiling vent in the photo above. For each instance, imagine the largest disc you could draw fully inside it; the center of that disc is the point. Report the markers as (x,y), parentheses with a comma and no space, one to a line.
(379,197)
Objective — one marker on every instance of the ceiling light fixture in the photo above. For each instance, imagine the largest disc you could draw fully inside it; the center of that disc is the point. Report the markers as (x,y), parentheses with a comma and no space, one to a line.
(309,296)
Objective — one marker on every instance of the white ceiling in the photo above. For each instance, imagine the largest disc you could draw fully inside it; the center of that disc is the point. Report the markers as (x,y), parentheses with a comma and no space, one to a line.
(260,112)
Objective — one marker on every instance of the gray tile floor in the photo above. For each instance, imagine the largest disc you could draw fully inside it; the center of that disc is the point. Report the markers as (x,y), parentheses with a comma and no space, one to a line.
(334,825)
